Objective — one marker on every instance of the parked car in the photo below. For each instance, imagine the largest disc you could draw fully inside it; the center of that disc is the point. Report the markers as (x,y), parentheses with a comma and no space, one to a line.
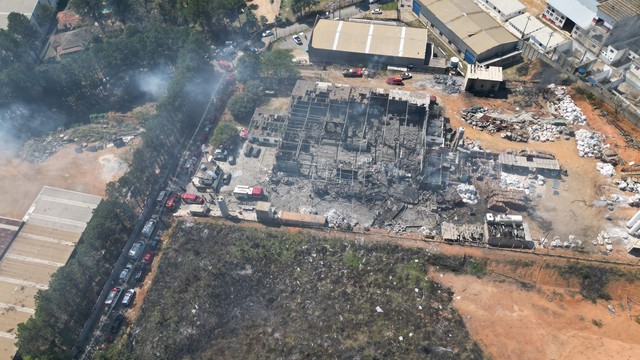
(155,242)
(192,199)
(220,155)
(227,179)
(406,75)
(394,81)
(140,274)
(148,258)
(136,250)
(125,274)
(113,295)
(116,324)
(172,201)
(256,153)
(376,11)
(162,197)
(149,228)
(128,297)
(267,33)
(297,39)
(232,159)
(248,151)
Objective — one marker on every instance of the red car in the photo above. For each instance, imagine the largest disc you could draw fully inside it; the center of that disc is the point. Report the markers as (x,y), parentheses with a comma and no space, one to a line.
(148,257)
(394,81)
(192,199)
(172,201)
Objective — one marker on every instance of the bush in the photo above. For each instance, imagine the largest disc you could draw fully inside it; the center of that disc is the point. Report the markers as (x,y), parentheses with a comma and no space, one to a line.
(224,133)
(242,106)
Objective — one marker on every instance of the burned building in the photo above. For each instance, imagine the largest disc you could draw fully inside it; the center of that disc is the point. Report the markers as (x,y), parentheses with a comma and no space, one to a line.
(356,137)
(507,231)
(529,162)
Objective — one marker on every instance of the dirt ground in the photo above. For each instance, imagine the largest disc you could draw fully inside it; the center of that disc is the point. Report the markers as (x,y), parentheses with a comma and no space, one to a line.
(510,323)
(535,7)
(21,181)
(267,8)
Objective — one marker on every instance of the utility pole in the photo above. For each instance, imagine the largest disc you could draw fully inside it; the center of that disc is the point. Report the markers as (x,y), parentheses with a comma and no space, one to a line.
(524,31)
(548,41)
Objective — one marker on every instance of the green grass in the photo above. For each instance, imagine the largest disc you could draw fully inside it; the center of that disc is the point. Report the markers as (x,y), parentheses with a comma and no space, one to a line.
(389,6)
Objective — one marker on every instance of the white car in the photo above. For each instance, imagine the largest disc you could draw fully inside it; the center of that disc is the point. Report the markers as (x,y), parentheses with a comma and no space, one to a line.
(297,39)
(267,33)
(376,12)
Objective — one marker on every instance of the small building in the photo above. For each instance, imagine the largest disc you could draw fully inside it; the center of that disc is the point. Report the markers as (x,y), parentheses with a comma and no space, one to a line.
(266,127)
(68,42)
(546,39)
(505,9)
(523,25)
(265,212)
(369,44)
(483,79)
(198,210)
(67,20)
(243,192)
(529,163)
(507,231)
(302,220)
(566,14)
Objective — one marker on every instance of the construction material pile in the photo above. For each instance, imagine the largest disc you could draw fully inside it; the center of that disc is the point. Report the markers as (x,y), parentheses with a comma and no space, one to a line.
(468,193)
(564,105)
(590,143)
(514,182)
(629,185)
(448,83)
(605,169)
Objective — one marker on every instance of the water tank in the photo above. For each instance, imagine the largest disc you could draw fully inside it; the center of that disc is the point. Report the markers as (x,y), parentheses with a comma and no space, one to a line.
(454,62)
(509,219)
(634,219)
(581,71)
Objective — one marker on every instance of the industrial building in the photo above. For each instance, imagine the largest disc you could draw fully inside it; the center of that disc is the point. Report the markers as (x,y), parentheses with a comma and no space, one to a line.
(43,243)
(468,29)
(368,44)
(334,134)
(483,79)
(523,25)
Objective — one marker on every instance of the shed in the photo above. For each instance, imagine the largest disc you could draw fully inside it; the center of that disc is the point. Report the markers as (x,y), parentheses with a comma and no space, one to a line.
(483,79)
(303,220)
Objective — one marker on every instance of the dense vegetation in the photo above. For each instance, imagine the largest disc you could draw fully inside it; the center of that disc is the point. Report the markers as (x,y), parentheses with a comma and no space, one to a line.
(228,292)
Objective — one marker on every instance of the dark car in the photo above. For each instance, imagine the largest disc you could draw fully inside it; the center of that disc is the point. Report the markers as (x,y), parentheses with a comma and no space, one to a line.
(140,274)
(232,159)
(227,179)
(116,324)
(155,242)
(248,151)
(256,154)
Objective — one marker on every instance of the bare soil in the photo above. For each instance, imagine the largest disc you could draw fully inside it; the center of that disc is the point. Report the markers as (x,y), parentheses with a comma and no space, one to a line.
(266,8)
(21,181)
(535,7)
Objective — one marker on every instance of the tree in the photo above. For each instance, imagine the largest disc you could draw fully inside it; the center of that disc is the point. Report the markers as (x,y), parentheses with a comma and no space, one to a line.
(242,106)
(224,133)
(23,29)
(277,68)
(248,67)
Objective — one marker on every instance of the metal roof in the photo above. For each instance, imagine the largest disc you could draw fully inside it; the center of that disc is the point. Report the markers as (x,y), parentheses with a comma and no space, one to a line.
(369,38)
(526,22)
(508,6)
(548,38)
(620,9)
(52,227)
(469,22)
(491,73)
(580,12)
(521,161)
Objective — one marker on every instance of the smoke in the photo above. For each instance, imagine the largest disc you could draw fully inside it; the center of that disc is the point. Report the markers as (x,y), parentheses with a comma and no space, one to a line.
(153,83)
(19,122)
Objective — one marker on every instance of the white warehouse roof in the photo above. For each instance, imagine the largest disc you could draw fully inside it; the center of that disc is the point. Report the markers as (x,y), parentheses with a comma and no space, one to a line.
(525,23)
(508,6)
(580,12)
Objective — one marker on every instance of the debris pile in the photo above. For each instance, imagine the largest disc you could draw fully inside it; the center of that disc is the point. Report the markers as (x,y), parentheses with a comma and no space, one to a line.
(338,220)
(468,193)
(450,84)
(629,185)
(605,169)
(564,105)
(510,181)
(634,201)
(590,143)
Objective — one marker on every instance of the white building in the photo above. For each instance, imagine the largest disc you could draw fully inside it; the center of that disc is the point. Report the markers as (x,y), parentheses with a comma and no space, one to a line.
(523,25)
(505,9)
(546,39)
(566,14)
(38,11)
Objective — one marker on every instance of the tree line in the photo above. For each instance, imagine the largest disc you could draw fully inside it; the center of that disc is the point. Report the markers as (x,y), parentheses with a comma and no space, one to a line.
(63,308)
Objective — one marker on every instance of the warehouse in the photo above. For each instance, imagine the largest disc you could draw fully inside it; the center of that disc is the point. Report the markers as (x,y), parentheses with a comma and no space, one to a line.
(472,32)
(368,43)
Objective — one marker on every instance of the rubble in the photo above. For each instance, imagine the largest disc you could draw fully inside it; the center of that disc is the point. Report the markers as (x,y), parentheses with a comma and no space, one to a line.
(448,83)
(629,185)
(590,143)
(562,103)
(605,169)
(468,193)
(634,201)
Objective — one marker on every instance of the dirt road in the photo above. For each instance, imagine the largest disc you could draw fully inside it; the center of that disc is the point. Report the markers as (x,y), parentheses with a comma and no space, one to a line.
(21,181)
